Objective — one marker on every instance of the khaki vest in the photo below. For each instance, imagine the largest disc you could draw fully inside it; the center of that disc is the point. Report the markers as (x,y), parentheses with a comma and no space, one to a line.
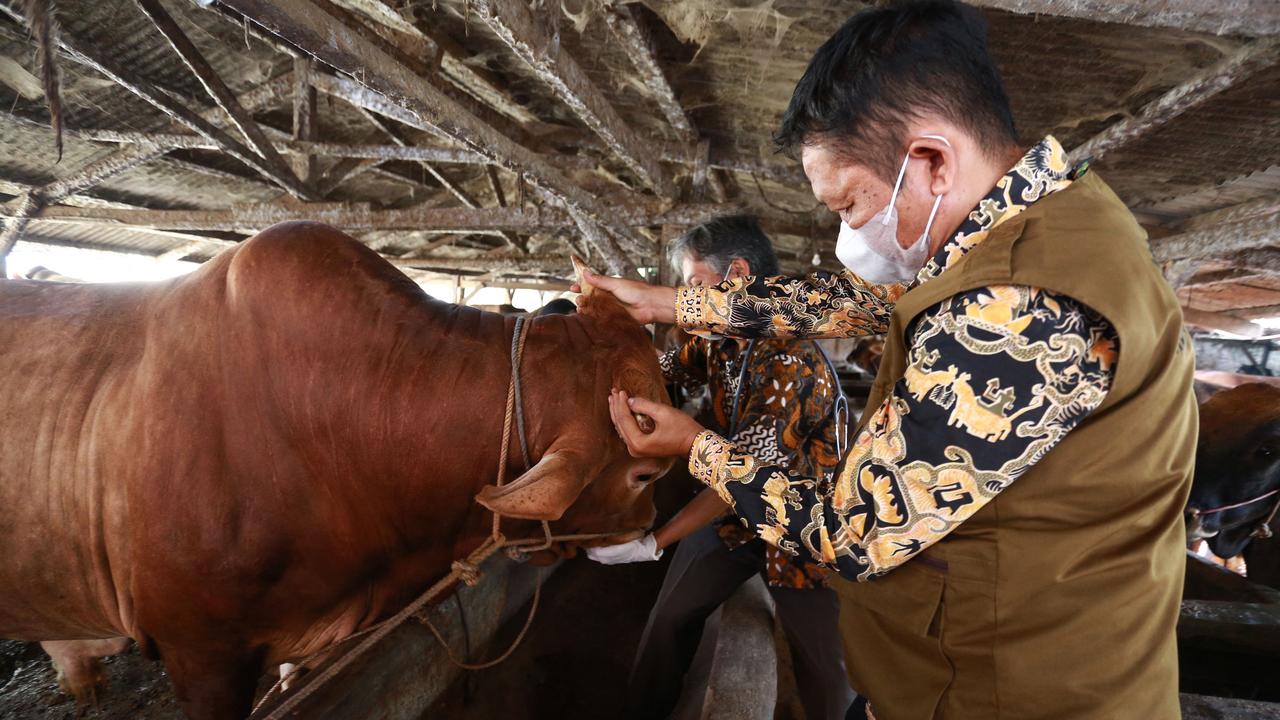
(1059,599)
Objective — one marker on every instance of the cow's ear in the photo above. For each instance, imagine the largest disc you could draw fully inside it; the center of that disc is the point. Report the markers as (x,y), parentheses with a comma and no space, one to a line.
(542,493)
(578,266)
(600,305)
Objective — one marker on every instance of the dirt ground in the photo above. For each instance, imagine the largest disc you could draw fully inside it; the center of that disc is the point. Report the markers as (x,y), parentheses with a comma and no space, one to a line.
(136,688)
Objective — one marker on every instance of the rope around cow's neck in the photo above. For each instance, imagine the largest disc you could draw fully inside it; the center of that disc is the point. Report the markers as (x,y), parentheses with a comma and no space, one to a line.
(466,570)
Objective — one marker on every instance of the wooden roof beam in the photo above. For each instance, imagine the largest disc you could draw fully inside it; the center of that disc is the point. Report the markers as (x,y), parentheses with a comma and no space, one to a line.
(218,90)
(1235,68)
(1221,322)
(516,25)
(307,27)
(356,217)
(637,42)
(445,182)
(34,200)
(1222,17)
(1219,240)
(638,45)
(480,82)
(172,107)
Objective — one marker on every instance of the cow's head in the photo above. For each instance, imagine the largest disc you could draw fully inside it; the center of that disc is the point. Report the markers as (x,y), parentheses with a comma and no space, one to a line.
(1238,459)
(586,481)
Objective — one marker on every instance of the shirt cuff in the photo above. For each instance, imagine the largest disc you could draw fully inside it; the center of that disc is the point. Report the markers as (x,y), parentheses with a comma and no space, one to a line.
(714,462)
(689,303)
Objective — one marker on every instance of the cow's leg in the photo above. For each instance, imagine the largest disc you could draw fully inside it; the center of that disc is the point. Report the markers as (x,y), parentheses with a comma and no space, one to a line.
(210,685)
(76,661)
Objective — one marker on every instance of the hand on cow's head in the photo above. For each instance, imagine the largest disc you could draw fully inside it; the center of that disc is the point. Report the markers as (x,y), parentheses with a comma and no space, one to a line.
(642,302)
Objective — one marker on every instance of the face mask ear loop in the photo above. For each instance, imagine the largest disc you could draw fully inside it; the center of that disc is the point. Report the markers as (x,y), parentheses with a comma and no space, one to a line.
(896,187)
(937,200)
(929,225)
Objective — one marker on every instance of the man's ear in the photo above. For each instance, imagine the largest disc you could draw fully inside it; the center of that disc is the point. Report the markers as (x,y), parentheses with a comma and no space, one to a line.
(942,162)
(545,492)
(739,268)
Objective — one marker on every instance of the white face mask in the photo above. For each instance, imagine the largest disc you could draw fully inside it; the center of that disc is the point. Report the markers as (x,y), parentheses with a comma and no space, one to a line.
(872,251)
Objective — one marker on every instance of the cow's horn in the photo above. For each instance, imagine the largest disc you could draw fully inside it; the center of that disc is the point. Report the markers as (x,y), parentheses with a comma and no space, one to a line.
(580,265)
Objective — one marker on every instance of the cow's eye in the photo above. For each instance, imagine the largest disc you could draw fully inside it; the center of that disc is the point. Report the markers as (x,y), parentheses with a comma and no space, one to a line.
(1265,452)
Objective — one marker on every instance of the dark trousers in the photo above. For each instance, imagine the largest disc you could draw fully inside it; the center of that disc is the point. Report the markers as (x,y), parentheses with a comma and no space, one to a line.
(702,575)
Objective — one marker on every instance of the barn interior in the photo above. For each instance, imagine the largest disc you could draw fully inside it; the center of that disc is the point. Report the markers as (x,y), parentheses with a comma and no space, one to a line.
(477,144)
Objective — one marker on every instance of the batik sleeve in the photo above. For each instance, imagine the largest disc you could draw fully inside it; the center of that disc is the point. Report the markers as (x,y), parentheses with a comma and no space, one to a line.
(996,378)
(788,407)
(686,365)
(821,305)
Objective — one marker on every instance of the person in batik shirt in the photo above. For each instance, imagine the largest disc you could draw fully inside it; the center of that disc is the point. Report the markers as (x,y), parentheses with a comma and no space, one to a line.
(1008,525)
(783,411)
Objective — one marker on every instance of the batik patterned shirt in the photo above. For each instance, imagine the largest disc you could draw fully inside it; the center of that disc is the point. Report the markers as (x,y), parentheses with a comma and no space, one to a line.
(995,378)
(784,417)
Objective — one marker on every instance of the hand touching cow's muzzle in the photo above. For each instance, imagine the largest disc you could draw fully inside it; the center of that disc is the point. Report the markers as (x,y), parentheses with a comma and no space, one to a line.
(673,432)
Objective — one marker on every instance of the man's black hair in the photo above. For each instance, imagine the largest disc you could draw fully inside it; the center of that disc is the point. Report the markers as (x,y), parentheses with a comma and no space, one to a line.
(885,66)
(721,240)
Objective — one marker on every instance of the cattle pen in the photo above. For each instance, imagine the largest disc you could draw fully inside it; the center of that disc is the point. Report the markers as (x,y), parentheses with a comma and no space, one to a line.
(472,149)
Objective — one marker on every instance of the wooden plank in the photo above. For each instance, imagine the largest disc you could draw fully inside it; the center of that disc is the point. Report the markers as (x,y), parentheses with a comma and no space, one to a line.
(304,118)
(214,85)
(516,25)
(1204,707)
(170,106)
(299,22)
(639,48)
(1220,240)
(363,217)
(1221,17)
(1235,68)
(1221,322)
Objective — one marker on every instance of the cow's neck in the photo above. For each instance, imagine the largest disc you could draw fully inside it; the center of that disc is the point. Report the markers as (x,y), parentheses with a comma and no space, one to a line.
(431,436)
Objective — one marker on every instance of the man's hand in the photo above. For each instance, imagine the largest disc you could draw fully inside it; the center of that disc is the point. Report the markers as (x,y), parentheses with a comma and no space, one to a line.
(643,550)
(673,432)
(645,303)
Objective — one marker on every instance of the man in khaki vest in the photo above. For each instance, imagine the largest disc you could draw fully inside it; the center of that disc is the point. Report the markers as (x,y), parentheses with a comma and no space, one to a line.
(1008,522)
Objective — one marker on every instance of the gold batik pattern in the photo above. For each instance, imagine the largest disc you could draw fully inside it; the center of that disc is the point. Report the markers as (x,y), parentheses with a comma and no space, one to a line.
(996,377)
(783,416)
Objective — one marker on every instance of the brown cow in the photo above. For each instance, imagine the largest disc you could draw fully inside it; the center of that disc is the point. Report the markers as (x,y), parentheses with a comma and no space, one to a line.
(1237,465)
(241,466)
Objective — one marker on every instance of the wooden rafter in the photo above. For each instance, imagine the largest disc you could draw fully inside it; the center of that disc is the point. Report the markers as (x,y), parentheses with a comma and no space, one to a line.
(218,90)
(1220,239)
(35,199)
(171,106)
(452,57)
(1260,207)
(1235,68)
(1223,17)
(515,24)
(445,182)
(304,118)
(357,217)
(639,46)
(1221,322)
(302,24)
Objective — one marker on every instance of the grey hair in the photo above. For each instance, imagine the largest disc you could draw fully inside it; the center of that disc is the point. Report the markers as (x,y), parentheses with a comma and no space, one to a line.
(721,240)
